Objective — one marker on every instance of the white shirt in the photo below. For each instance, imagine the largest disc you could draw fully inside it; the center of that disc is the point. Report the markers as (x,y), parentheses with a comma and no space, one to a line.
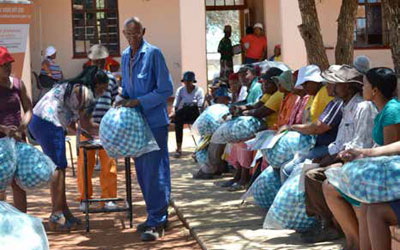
(355,129)
(183,97)
(242,94)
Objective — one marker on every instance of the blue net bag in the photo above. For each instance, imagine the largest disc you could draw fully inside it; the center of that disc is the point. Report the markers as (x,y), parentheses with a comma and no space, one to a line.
(287,146)
(288,211)
(237,130)
(210,119)
(125,133)
(368,180)
(20,231)
(265,188)
(8,162)
(34,168)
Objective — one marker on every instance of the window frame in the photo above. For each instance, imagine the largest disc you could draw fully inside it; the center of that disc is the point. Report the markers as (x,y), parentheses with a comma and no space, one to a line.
(225,6)
(94,10)
(367,46)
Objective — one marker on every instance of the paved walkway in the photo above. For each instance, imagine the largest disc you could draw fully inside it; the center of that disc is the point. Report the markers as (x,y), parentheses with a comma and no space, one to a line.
(217,218)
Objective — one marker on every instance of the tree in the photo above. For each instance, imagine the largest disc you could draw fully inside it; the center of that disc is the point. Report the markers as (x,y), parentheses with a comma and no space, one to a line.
(311,32)
(391,11)
(344,51)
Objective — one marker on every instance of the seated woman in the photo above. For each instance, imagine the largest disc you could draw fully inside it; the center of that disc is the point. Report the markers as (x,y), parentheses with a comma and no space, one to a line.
(50,72)
(267,109)
(239,91)
(379,87)
(188,102)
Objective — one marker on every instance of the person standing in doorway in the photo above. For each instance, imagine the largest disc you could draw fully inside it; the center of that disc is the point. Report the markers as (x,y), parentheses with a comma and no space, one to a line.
(226,50)
(255,45)
(146,85)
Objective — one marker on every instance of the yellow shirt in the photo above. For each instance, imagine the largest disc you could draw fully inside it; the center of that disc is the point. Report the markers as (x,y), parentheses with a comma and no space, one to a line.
(265,98)
(273,103)
(319,102)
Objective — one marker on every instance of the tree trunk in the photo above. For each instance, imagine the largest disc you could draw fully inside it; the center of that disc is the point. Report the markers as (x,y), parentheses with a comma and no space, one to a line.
(391,13)
(344,51)
(311,32)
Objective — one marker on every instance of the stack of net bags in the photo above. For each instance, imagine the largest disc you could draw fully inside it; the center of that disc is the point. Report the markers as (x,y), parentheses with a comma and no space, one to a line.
(125,133)
(237,130)
(210,119)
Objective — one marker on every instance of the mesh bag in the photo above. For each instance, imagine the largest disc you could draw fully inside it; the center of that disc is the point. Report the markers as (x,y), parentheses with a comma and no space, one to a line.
(125,133)
(368,180)
(210,119)
(265,188)
(8,162)
(34,168)
(202,156)
(288,211)
(237,130)
(287,146)
(20,231)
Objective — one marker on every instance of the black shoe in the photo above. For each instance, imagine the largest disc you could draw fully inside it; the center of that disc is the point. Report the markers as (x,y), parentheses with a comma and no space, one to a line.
(321,234)
(152,233)
(142,227)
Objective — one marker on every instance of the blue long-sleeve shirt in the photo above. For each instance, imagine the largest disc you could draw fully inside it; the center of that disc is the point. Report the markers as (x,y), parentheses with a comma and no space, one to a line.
(146,77)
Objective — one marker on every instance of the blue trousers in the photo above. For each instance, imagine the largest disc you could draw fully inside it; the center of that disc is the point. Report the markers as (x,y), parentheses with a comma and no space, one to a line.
(153,175)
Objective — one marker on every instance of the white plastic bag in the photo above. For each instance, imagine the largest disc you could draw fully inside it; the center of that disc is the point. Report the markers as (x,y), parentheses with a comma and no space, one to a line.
(34,168)
(8,162)
(210,119)
(237,130)
(125,133)
(20,231)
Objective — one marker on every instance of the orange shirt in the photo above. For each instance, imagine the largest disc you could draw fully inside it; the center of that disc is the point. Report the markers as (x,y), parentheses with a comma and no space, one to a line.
(285,111)
(256,47)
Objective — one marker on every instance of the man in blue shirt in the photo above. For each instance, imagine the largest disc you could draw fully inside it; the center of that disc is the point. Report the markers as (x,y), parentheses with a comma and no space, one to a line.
(146,85)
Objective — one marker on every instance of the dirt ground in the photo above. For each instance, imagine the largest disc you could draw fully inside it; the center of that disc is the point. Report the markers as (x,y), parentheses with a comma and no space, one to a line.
(107,230)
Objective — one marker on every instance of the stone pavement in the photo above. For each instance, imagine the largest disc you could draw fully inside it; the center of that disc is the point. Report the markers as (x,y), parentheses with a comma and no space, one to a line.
(216,217)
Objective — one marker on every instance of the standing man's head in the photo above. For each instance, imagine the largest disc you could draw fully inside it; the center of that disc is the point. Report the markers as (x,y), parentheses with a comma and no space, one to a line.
(188,79)
(228,31)
(310,79)
(97,55)
(362,64)
(258,29)
(347,80)
(133,32)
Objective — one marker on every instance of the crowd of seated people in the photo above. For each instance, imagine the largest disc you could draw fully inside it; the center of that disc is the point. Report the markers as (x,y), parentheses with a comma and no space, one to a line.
(351,111)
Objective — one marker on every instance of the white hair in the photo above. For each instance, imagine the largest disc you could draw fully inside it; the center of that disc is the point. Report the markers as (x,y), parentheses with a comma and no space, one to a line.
(134,20)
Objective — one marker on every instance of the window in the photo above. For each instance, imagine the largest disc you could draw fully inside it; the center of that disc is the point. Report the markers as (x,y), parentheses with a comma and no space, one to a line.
(95,22)
(369,30)
(225,4)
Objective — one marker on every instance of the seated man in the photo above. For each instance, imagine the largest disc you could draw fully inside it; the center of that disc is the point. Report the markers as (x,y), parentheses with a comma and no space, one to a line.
(188,102)
(354,131)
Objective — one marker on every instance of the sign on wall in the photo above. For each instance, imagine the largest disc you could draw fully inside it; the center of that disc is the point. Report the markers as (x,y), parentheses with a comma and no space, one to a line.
(14,30)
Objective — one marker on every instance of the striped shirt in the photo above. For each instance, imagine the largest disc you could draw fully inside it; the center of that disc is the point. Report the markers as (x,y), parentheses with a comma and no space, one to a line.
(331,116)
(104,102)
(54,68)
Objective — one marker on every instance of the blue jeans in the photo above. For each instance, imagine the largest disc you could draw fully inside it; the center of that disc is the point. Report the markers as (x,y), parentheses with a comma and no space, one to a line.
(314,153)
(248,60)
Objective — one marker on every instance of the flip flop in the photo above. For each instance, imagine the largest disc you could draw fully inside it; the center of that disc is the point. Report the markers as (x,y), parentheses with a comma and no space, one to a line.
(237,187)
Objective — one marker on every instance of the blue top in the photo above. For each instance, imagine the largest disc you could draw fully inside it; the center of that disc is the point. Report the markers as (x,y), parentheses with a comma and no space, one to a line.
(255,92)
(331,116)
(146,77)
(389,115)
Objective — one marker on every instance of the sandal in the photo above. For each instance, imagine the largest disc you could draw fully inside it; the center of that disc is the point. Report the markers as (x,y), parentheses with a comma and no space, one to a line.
(203,176)
(228,183)
(178,154)
(58,223)
(237,187)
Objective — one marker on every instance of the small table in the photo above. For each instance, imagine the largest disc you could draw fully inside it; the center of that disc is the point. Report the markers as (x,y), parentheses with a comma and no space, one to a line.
(96,145)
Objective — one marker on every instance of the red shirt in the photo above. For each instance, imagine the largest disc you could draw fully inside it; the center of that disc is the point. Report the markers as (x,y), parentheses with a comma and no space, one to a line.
(257,45)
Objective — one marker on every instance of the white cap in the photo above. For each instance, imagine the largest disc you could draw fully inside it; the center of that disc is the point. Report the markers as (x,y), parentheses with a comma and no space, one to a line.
(97,52)
(50,51)
(310,73)
(258,25)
